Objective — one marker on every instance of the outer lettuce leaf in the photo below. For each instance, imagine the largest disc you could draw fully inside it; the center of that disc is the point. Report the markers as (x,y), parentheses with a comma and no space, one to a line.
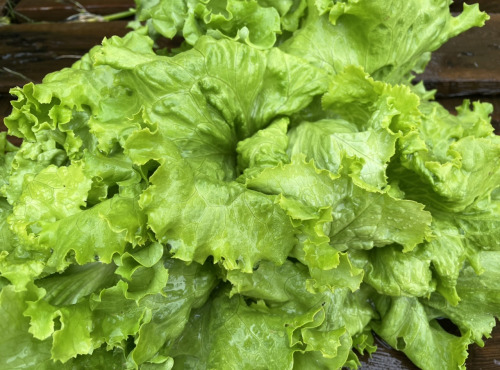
(221,321)
(77,283)
(480,224)
(130,308)
(451,168)
(20,350)
(7,153)
(90,236)
(19,264)
(370,104)
(344,275)
(167,17)
(479,299)
(247,21)
(86,236)
(99,359)
(405,325)
(387,39)
(79,107)
(291,317)
(65,96)
(448,252)
(291,12)
(18,347)
(30,159)
(360,219)
(188,288)
(53,194)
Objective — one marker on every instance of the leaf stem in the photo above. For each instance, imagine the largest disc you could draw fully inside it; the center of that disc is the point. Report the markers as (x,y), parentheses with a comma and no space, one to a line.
(119,15)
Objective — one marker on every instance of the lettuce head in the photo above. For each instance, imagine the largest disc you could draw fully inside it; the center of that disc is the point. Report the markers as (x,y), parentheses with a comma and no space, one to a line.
(267,195)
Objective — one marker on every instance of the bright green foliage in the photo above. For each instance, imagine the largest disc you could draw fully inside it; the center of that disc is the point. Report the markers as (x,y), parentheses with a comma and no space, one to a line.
(262,197)
(405,325)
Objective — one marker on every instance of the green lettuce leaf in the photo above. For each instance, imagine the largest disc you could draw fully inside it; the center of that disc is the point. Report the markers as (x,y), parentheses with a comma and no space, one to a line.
(388,40)
(454,165)
(405,325)
(198,109)
(199,217)
(393,272)
(479,299)
(335,140)
(247,21)
(298,325)
(19,349)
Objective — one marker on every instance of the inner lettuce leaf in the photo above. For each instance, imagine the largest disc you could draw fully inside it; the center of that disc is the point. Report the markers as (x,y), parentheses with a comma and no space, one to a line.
(247,21)
(267,195)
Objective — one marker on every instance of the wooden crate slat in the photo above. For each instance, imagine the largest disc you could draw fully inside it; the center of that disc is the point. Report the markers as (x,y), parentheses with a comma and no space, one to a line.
(489,6)
(35,49)
(55,11)
(386,358)
(467,64)
(488,357)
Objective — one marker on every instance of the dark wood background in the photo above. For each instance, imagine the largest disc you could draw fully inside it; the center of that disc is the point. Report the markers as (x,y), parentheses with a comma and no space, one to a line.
(40,39)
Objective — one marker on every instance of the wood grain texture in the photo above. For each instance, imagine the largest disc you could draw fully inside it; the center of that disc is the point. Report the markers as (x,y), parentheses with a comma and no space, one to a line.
(34,50)
(60,10)
(488,357)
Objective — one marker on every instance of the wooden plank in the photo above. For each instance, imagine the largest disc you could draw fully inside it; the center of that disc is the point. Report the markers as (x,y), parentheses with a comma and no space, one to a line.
(488,357)
(59,10)
(489,6)
(386,358)
(33,50)
(468,64)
